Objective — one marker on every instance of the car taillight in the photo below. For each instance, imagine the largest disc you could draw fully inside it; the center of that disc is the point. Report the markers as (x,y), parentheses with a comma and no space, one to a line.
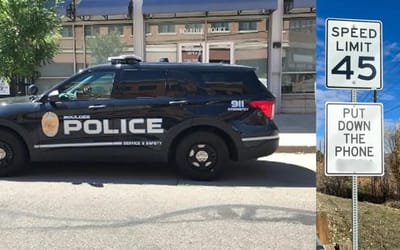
(267,107)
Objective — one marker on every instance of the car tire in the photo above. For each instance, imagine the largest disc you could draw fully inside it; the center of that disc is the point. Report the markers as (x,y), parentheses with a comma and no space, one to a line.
(13,155)
(201,156)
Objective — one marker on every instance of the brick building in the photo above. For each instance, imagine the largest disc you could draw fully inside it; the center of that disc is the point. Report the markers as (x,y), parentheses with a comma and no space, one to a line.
(277,37)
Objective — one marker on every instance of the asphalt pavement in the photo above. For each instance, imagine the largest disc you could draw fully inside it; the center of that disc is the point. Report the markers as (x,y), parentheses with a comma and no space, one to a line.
(263,204)
(267,203)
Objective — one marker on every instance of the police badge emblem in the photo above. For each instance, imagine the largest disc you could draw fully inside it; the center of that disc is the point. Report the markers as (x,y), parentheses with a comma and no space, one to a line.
(50,124)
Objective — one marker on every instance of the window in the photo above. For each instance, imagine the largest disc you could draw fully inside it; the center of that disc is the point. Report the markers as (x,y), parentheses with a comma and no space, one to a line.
(92,30)
(147,28)
(248,26)
(88,85)
(298,82)
(116,28)
(230,83)
(193,28)
(166,28)
(299,60)
(180,84)
(302,25)
(66,31)
(140,83)
(220,27)
(192,52)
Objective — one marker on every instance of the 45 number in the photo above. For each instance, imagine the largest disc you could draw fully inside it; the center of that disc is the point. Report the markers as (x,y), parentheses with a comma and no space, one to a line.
(362,64)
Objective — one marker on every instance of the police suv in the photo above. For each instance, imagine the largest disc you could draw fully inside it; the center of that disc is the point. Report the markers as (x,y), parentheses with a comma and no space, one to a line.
(196,116)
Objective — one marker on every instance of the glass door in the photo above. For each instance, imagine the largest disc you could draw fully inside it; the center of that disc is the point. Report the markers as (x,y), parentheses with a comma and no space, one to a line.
(220,52)
(191,52)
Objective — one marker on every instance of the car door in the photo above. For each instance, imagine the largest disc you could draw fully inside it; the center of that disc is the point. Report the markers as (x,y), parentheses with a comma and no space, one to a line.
(140,105)
(79,114)
(151,106)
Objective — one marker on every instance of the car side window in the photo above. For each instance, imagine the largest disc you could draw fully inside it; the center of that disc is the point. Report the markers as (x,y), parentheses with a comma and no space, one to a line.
(222,83)
(89,85)
(180,84)
(140,83)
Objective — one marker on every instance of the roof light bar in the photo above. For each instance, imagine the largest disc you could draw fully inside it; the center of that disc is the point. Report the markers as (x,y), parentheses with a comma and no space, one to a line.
(125,59)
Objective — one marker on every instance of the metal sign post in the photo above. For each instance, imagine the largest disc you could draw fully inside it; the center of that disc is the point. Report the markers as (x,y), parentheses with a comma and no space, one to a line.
(354,200)
(354,197)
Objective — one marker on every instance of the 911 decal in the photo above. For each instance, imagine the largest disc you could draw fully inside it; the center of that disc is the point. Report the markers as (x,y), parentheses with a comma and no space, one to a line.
(238,105)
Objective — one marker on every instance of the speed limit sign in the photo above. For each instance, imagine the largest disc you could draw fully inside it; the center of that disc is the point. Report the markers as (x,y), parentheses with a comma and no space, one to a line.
(353,54)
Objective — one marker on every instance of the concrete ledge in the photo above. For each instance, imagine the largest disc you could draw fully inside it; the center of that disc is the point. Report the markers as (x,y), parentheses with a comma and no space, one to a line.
(296,149)
(297,143)
(297,133)
(297,139)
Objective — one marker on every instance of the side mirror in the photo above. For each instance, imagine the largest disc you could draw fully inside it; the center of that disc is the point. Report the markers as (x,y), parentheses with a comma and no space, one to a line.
(53,96)
(33,89)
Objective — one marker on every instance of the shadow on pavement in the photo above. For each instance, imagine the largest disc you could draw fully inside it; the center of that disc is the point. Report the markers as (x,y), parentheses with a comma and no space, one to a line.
(247,173)
(242,212)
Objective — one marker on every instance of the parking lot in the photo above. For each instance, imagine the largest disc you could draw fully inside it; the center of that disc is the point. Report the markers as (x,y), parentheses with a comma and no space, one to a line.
(264,204)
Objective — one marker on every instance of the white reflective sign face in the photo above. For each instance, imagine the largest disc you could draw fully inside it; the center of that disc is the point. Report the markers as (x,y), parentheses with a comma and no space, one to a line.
(354,139)
(4,87)
(353,54)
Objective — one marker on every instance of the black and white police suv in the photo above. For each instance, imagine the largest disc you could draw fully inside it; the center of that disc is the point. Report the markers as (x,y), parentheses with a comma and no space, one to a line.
(196,116)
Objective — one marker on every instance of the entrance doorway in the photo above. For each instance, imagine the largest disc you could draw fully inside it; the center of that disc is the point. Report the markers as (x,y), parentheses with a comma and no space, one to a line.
(220,53)
(214,52)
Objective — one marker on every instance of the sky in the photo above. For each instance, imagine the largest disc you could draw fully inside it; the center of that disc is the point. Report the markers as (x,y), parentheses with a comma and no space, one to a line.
(387,13)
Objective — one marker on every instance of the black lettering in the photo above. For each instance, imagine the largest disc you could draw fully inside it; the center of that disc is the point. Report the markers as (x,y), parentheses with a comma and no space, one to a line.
(338,149)
(335,31)
(338,47)
(354,32)
(355,47)
(372,33)
(354,151)
(363,33)
(341,125)
(344,31)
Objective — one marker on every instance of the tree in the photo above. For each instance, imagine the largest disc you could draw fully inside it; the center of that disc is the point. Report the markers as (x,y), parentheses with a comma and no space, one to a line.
(29,33)
(395,159)
(103,46)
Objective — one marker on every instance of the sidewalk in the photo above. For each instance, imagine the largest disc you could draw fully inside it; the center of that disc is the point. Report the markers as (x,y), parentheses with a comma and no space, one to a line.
(297,132)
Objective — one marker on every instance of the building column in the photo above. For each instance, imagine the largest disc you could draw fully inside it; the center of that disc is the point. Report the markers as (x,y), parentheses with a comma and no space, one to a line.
(275,54)
(138,28)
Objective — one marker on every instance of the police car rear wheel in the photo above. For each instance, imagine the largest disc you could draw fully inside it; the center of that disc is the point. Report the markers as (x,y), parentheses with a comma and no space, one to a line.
(201,156)
(13,155)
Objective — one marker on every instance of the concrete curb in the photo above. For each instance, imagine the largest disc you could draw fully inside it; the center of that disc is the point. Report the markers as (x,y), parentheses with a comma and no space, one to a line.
(296,149)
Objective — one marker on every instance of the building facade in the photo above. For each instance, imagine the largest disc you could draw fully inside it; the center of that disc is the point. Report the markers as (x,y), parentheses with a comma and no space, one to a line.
(183,31)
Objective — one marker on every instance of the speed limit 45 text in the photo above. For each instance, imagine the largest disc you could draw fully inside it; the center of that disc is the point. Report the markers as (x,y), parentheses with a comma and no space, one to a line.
(353,33)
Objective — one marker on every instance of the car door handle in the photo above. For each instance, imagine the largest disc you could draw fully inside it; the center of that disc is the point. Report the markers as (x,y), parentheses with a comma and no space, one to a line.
(97,106)
(178,102)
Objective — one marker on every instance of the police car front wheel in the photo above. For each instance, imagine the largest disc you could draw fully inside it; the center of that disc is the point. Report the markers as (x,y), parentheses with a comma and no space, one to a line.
(13,155)
(201,156)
